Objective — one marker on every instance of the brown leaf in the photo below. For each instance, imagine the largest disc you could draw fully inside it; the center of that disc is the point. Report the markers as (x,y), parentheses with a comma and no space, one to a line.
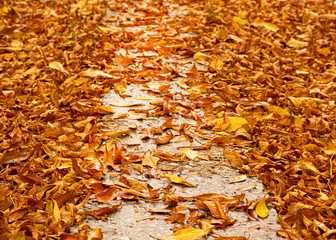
(107,195)
(290,234)
(176,217)
(163,139)
(217,209)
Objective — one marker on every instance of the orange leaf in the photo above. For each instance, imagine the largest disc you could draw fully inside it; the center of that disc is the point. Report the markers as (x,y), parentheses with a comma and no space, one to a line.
(150,161)
(217,209)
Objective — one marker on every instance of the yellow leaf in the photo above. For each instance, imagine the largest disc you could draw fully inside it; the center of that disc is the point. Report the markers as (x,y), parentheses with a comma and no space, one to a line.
(297,101)
(16,44)
(56,211)
(6,9)
(220,123)
(297,121)
(330,151)
(95,73)
(261,208)
(206,225)
(186,234)
(283,112)
(217,63)
(235,123)
(278,110)
(189,153)
(271,26)
(239,20)
(202,88)
(58,66)
(201,57)
(296,43)
(104,109)
(176,179)
(313,168)
(121,86)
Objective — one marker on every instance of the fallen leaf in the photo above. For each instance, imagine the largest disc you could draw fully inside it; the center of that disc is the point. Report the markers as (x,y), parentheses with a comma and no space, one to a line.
(58,66)
(104,109)
(261,208)
(125,104)
(235,123)
(239,20)
(186,234)
(217,209)
(150,161)
(121,86)
(270,26)
(176,179)
(163,139)
(201,57)
(95,73)
(239,178)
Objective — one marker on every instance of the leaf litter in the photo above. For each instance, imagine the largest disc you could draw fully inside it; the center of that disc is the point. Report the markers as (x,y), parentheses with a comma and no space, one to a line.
(268,83)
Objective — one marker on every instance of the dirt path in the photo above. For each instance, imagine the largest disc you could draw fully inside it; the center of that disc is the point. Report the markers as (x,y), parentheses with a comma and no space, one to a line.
(163,100)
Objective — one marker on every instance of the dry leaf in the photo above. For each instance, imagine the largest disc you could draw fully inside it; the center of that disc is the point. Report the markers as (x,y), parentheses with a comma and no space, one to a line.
(121,86)
(186,234)
(95,73)
(150,161)
(261,208)
(176,179)
(239,178)
(58,66)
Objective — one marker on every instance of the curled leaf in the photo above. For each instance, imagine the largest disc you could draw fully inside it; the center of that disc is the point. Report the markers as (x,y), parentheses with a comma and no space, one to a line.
(261,208)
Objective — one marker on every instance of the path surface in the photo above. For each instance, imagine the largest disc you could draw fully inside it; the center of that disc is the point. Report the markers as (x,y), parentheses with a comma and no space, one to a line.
(169,104)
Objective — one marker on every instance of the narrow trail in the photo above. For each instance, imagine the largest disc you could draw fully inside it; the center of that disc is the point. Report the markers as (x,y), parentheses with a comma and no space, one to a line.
(161,111)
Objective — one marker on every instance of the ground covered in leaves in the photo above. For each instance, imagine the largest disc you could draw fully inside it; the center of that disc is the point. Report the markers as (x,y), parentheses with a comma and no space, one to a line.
(266,88)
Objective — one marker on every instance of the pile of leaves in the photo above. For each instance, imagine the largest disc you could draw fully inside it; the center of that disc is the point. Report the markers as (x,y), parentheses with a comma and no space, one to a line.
(270,62)
(274,61)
